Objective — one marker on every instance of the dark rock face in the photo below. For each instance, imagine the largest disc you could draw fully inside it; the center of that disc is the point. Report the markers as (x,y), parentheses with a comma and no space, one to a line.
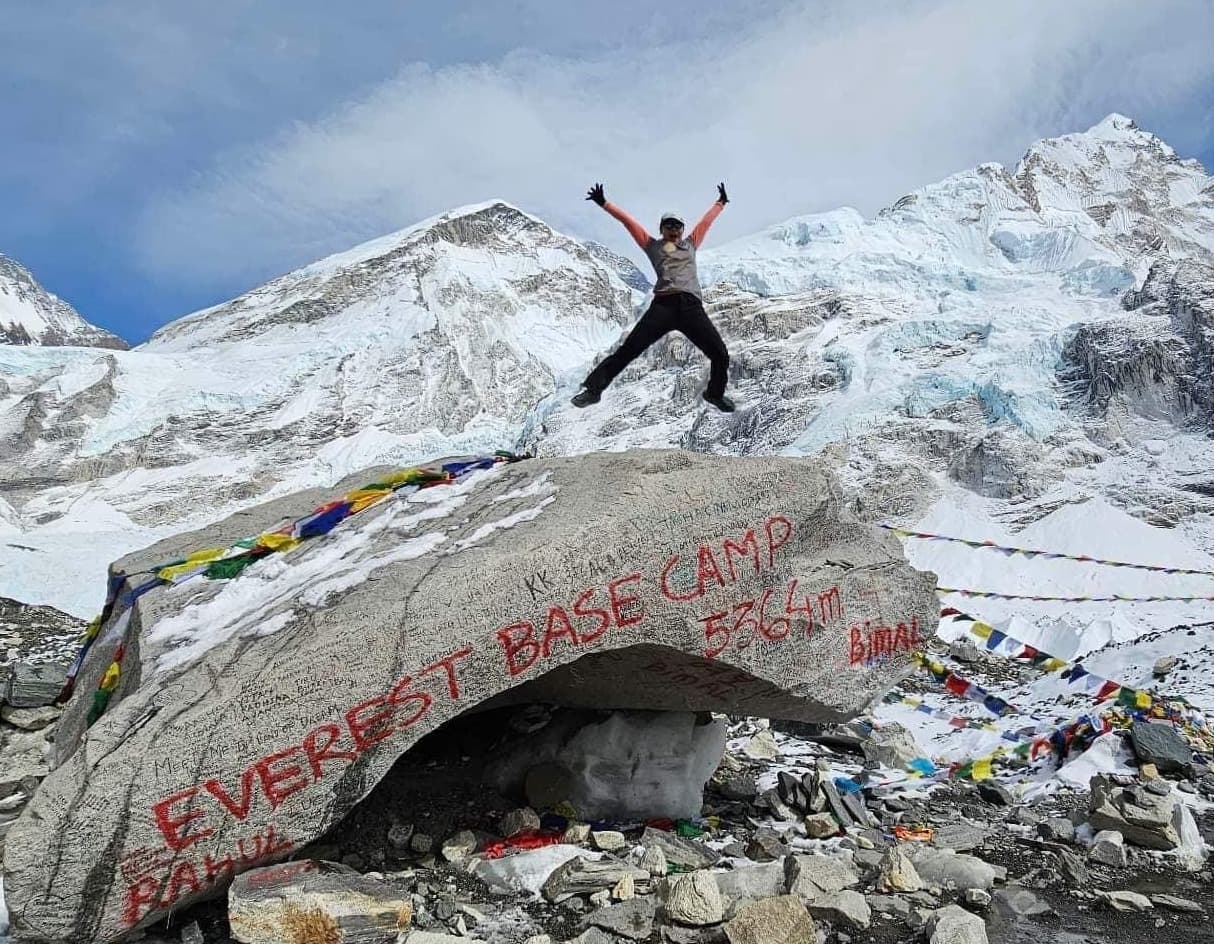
(625,268)
(1162,368)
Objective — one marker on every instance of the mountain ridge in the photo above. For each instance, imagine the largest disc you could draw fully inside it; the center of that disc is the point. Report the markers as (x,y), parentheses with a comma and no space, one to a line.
(923,350)
(30,315)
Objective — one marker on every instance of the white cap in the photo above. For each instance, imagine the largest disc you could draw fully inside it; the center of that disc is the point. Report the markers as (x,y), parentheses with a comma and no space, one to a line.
(671,215)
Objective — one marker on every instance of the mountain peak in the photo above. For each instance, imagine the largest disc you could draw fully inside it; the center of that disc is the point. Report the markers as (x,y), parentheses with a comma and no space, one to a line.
(456,225)
(1112,124)
(30,315)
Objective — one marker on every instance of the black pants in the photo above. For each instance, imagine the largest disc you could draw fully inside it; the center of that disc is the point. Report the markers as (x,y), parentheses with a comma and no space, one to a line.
(677,311)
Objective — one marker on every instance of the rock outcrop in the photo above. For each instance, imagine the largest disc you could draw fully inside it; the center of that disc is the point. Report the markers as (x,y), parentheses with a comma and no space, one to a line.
(1155,361)
(254,714)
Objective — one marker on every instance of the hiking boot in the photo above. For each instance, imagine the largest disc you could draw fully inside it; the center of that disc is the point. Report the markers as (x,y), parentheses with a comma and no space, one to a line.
(722,403)
(586,397)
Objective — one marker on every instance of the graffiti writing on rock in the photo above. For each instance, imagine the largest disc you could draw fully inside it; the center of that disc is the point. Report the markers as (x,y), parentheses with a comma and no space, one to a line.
(731,558)
(203,810)
(620,603)
(156,884)
(873,643)
(187,816)
(766,618)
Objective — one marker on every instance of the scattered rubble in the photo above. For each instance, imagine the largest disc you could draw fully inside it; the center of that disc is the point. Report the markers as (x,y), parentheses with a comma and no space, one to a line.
(1142,815)
(319,900)
(754,867)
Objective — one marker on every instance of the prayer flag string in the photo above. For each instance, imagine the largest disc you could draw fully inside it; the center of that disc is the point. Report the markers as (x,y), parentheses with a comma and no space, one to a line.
(225,563)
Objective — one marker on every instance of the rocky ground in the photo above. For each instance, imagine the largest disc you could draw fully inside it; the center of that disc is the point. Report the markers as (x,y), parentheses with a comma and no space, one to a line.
(803,836)
(36,635)
(36,645)
(433,836)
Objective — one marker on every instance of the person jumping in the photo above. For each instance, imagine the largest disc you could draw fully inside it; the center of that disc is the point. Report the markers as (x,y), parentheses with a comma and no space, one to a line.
(677,303)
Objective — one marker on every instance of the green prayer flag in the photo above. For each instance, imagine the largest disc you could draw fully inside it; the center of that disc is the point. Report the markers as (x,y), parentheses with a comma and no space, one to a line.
(229,567)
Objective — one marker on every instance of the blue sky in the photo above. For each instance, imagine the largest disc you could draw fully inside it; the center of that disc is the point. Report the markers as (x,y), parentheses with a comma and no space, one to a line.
(161,157)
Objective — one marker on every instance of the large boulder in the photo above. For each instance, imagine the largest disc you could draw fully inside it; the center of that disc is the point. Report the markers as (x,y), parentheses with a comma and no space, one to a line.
(1159,743)
(253,714)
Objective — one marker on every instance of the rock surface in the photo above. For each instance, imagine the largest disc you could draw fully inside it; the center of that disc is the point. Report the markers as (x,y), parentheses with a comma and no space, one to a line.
(778,920)
(752,882)
(239,773)
(34,686)
(817,878)
(309,900)
(631,919)
(1162,746)
(1108,848)
(898,873)
(954,925)
(845,908)
(694,899)
(1143,817)
(948,869)
(892,745)
(582,876)
(679,851)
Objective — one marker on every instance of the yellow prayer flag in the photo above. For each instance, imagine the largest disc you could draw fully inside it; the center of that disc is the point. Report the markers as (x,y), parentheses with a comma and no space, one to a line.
(400,478)
(982,630)
(1053,665)
(277,542)
(177,571)
(982,769)
(1142,699)
(365,497)
(109,681)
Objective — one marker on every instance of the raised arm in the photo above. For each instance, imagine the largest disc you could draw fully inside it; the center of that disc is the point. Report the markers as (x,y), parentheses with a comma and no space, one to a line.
(635,229)
(701,228)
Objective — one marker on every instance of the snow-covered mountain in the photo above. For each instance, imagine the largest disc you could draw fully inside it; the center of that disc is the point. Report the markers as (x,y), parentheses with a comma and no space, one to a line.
(1017,344)
(29,314)
(435,340)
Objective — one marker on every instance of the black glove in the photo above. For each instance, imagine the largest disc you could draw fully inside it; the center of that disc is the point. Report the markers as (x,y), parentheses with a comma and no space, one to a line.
(722,198)
(595,193)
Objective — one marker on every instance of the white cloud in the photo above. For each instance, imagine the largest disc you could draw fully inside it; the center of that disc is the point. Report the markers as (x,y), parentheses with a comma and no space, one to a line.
(832,105)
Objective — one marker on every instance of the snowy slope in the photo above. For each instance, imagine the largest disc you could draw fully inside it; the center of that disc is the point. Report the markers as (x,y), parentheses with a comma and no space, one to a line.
(29,314)
(433,341)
